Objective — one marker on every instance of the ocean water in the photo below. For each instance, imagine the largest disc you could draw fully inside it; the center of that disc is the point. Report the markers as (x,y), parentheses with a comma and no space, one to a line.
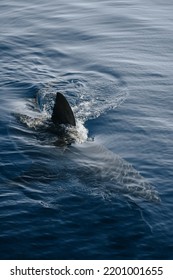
(109,195)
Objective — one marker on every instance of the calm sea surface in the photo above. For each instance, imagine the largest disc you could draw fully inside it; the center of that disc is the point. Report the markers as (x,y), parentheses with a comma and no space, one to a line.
(109,195)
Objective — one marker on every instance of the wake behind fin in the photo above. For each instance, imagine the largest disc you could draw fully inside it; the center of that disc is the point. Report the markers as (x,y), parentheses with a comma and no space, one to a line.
(62,112)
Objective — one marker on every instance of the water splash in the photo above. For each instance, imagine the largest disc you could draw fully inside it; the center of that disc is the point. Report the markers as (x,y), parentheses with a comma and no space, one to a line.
(89,95)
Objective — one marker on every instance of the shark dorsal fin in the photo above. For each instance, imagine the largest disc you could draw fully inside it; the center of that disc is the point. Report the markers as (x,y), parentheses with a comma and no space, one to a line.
(62,112)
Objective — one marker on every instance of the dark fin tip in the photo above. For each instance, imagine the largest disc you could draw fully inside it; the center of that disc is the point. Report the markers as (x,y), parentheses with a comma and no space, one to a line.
(62,112)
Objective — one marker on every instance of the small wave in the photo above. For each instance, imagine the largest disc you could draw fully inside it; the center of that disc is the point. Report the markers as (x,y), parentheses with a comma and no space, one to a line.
(90,94)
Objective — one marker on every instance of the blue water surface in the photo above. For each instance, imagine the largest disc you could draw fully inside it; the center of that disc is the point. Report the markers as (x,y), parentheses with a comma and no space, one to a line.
(113,61)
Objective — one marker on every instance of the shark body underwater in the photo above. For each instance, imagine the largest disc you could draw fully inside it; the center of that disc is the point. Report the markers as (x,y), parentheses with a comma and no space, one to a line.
(96,166)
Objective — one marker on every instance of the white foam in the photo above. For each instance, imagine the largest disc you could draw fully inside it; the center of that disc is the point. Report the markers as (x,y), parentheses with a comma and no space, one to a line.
(79,133)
